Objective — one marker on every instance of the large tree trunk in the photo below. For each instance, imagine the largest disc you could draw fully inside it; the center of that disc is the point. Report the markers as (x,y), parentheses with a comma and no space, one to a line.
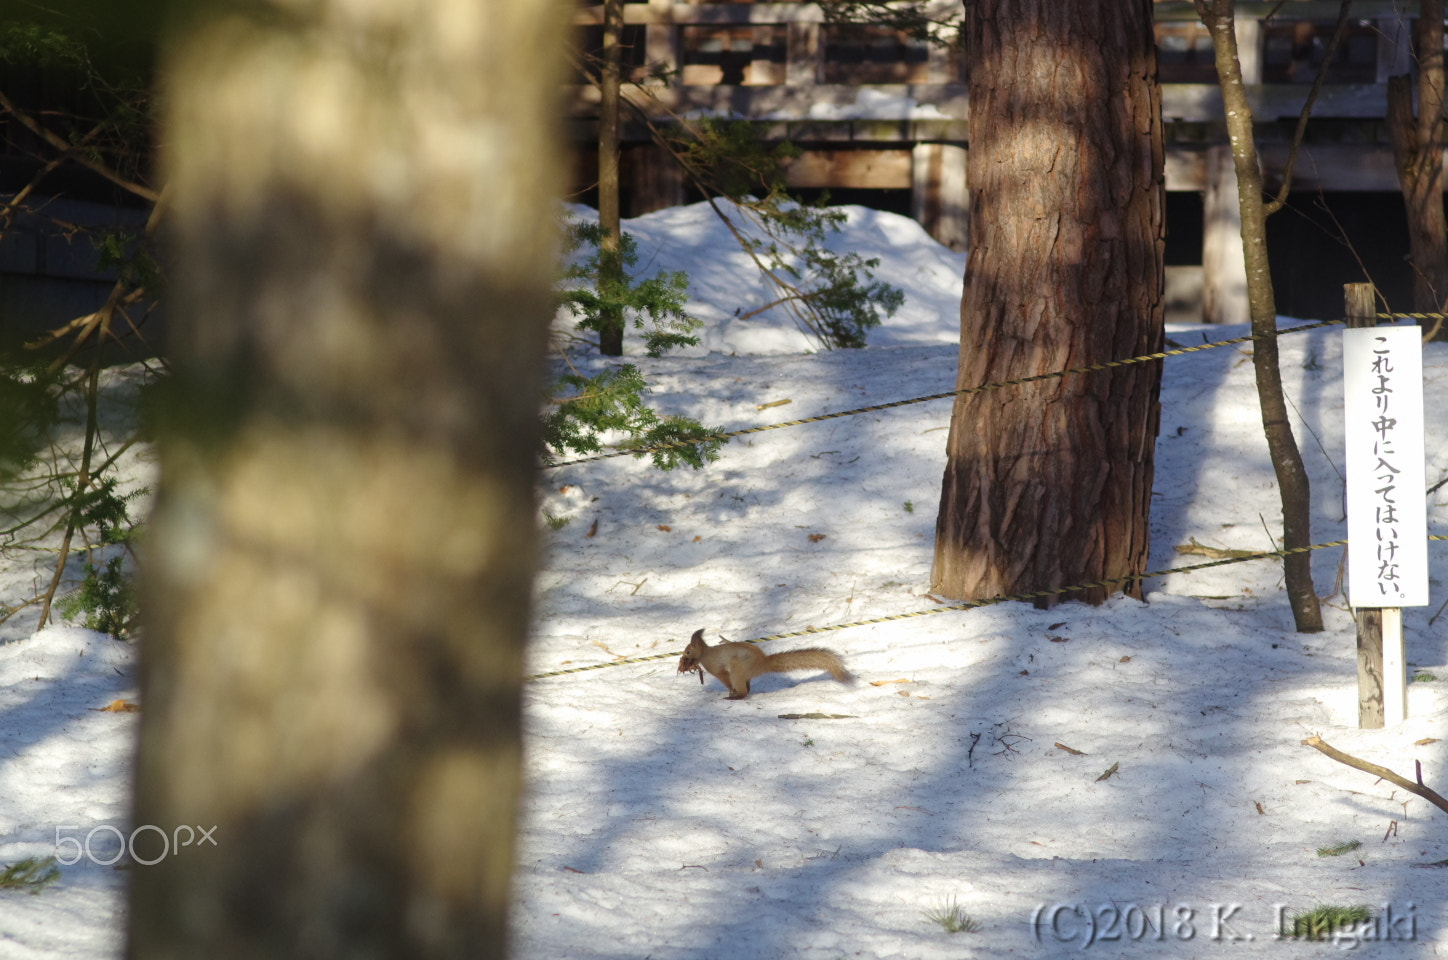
(1418,155)
(1049,484)
(341,555)
(1292,481)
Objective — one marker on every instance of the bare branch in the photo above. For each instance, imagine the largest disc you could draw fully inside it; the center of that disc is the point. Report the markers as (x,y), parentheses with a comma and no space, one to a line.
(1427,793)
(1293,483)
(1337,34)
(65,146)
(81,482)
(7,214)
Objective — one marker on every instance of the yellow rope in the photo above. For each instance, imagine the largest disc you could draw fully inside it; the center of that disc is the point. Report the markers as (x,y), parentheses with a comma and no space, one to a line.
(966,391)
(990,601)
(972,604)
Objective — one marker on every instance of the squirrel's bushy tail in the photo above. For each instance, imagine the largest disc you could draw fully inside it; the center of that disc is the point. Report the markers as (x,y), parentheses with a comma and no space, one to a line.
(811,658)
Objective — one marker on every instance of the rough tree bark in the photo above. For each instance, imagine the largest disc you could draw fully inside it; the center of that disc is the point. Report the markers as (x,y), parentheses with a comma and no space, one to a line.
(341,555)
(1418,155)
(1049,484)
(1292,481)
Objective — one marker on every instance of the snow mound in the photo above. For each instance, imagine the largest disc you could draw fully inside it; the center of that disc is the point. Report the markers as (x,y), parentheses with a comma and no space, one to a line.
(725,286)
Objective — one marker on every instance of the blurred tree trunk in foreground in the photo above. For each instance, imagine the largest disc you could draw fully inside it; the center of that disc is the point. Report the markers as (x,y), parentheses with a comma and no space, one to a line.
(344,539)
(1049,484)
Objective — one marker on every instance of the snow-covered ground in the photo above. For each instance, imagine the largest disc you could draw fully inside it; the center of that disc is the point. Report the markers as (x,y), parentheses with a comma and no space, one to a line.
(817,820)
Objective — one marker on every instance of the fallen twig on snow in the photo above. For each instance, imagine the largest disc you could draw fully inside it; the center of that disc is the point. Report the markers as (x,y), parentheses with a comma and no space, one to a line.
(1427,793)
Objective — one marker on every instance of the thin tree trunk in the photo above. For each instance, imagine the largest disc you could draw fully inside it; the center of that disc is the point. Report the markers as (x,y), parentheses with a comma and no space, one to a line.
(1049,484)
(610,255)
(1418,155)
(341,555)
(1292,481)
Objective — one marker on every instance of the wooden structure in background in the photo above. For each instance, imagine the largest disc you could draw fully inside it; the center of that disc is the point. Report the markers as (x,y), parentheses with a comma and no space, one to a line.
(1224,265)
(874,110)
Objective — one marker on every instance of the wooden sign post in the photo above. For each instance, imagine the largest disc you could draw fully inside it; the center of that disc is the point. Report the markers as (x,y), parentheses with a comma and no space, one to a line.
(1387,523)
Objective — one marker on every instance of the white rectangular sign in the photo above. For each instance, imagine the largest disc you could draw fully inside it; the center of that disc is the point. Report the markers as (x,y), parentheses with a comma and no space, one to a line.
(1387,522)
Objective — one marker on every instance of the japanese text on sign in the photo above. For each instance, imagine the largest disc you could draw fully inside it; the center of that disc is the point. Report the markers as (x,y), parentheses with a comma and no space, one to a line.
(1386,514)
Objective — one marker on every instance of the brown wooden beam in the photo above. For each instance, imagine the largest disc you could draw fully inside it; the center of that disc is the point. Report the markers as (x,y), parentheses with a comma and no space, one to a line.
(854,169)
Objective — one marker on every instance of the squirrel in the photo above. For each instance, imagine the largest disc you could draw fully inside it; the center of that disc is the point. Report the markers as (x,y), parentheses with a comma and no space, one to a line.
(735,664)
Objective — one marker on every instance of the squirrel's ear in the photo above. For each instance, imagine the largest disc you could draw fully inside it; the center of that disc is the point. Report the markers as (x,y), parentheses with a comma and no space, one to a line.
(698,635)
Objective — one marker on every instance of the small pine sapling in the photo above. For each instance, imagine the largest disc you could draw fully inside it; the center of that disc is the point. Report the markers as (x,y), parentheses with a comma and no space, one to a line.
(584,408)
(107,599)
(952,918)
(659,299)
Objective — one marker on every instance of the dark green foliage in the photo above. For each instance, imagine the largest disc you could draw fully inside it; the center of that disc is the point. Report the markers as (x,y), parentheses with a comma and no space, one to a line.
(104,59)
(912,18)
(586,407)
(1338,849)
(824,290)
(834,297)
(659,299)
(845,306)
(102,508)
(613,401)
(106,599)
(729,157)
(131,254)
(29,407)
(34,43)
(1322,922)
(952,918)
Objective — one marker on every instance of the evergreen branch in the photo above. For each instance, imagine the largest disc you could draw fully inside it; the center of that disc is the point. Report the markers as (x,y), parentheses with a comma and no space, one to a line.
(914,19)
